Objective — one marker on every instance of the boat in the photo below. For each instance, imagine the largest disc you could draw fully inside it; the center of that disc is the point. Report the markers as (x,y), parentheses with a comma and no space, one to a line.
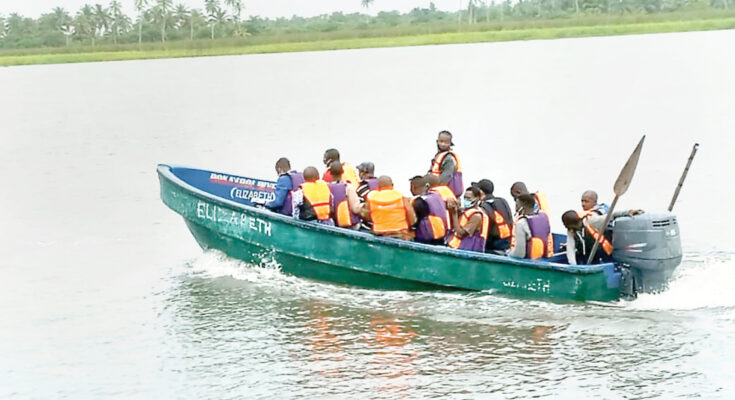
(219,210)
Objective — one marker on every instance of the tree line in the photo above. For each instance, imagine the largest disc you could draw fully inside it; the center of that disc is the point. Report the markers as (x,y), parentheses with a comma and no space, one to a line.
(162,20)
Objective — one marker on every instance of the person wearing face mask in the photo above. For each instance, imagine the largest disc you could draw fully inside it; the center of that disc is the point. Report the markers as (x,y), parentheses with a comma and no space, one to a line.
(446,165)
(350,173)
(287,181)
(531,237)
(471,229)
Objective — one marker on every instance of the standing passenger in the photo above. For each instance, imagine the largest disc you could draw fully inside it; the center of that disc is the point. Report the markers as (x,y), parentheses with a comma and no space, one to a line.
(532,237)
(313,201)
(431,213)
(446,165)
(390,212)
(349,174)
(346,203)
(470,231)
(285,185)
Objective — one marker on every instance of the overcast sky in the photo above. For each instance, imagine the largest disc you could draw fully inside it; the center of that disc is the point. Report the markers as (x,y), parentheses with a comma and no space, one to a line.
(263,8)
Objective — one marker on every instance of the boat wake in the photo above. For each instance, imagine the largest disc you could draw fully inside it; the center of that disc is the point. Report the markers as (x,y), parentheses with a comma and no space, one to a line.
(215,264)
(704,280)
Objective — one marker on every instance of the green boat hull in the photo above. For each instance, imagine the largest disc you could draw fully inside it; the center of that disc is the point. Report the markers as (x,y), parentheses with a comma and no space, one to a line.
(348,257)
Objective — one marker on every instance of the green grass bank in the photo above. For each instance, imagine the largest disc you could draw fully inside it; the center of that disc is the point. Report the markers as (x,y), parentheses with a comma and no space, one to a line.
(360,40)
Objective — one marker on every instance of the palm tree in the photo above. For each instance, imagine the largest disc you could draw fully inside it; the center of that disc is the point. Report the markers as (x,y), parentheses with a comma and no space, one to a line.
(212,8)
(236,6)
(3,27)
(119,21)
(84,22)
(366,3)
(62,22)
(101,20)
(140,6)
(163,11)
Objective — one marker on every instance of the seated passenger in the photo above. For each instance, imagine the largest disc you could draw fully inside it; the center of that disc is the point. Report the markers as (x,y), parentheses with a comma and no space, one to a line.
(346,203)
(349,174)
(368,181)
(532,237)
(519,188)
(390,212)
(431,213)
(443,190)
(589,204)
(286,183)
(470,231)
(313,200)
(501,218)
(583,230)
(445,165)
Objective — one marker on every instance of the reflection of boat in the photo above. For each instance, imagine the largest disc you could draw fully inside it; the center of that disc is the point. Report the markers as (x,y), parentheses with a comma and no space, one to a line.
(217,209)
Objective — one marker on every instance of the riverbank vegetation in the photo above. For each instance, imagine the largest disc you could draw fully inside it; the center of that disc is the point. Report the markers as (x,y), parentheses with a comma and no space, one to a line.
(161,30)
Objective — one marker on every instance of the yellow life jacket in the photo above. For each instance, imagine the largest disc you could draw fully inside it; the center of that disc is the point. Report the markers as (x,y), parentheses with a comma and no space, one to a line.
(543,203)
(387,211)
(319,198)
(349,174)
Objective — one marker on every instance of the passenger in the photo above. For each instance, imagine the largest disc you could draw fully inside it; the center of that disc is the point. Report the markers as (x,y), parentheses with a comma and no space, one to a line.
(287,181)
(350,173)
(532,237)
(443,190)
(446,165)
(368,181)
(390,212)
(313,201)
(346,203)
(431,213)
(589,204)
(470,231)
(501,218)
(519,188)
(582,231)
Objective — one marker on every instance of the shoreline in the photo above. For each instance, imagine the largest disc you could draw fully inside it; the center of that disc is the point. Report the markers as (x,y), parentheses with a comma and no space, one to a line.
(63,56)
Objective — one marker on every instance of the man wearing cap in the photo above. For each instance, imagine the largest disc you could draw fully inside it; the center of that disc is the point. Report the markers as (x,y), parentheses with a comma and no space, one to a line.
(446,165)
(368,181)
(501,218)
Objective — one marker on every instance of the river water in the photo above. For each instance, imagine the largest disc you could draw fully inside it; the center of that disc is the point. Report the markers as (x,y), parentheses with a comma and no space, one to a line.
(104,293)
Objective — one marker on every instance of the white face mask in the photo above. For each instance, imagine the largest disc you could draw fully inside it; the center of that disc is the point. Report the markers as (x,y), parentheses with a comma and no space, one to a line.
(467,203)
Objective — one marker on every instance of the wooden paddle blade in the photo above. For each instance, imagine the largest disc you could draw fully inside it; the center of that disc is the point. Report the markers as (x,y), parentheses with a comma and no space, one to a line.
(626,175)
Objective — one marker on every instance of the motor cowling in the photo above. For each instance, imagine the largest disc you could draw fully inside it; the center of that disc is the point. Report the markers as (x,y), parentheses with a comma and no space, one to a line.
(650,245)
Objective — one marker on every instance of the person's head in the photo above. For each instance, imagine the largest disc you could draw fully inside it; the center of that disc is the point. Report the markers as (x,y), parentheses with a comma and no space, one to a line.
(311,174)
(471,197)
(283,165)
(384,182)
(571,220)
(589,200)
(366,170)
(518,189)
(335,168)
(444,141)
(486,185)
(419,185)
(527,203)
(329,156)
(432,180)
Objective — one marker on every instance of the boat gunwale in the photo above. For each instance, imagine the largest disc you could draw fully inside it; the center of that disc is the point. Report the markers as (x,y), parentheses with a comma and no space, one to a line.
(165,171)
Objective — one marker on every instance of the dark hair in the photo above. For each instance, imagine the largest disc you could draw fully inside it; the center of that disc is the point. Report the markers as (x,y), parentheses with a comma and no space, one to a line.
(486,185)
(335,168)
(527,201)
(332,154)
(283,163)
(445,133)
(475,191)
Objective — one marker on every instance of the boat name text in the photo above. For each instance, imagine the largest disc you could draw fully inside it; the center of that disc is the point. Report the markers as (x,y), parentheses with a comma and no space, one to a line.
(214,213)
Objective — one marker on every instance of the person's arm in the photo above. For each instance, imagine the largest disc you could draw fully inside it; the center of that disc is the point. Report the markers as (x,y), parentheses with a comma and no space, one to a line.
(598,220)
(448,167)
(353,200)
(421,209)
(522,235)
(571,248)
(473,224)
(410,214)
(283,186)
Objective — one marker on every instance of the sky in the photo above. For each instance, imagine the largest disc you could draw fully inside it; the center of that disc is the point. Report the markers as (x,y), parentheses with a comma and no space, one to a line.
(263,8)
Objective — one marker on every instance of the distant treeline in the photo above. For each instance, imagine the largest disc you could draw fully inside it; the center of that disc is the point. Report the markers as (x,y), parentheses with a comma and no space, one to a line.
(161,20)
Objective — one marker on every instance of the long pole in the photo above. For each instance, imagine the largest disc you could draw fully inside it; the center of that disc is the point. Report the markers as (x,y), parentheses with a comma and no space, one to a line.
(683,176)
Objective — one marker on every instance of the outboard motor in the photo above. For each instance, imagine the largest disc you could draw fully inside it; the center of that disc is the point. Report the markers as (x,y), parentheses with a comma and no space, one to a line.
(648,244)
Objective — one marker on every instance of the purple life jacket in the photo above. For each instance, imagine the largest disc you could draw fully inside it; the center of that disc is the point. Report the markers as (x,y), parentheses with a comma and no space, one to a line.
(372,183)
(297,178)
(426,230)
(456,184)
(477,241)
(540,230)
(343,216)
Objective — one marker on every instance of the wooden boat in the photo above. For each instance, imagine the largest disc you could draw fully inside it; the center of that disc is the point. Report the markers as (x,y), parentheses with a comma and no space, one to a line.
(218,209)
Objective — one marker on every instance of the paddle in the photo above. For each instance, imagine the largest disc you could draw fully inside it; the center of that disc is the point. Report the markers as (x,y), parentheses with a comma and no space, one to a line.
(683,176)
(621,186)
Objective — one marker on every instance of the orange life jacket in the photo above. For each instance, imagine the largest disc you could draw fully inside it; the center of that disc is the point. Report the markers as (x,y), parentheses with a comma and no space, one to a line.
(503,227)
(319,198)
(455,241)
(387,211)
(607,247)
(543,203)
(446,194)
(436,164)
